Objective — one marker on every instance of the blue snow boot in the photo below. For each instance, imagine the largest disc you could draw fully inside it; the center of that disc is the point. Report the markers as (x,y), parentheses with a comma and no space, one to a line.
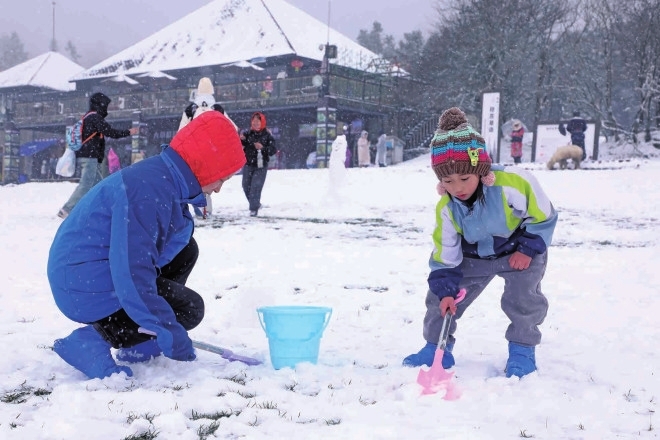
(85,350)
(522,360)
(139,353)
(427,353)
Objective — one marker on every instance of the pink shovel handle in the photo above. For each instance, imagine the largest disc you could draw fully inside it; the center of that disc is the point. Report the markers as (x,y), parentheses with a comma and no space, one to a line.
(459,297)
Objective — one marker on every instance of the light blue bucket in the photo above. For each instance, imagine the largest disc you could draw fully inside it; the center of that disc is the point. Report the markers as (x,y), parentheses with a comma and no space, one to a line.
(294,333)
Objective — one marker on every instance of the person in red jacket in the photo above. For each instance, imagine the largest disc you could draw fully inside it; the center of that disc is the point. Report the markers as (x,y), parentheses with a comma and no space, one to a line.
(259,146)
(90,156)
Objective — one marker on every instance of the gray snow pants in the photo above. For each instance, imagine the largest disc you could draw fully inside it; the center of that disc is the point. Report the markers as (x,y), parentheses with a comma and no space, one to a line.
(522,300)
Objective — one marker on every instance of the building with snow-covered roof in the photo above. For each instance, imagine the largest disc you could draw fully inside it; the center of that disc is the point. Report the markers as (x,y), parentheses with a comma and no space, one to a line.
(45,75)
(261,55)
(229,31)
(50,71)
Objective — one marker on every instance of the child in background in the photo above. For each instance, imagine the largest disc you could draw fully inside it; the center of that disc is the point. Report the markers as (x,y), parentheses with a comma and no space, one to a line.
(517,133)
(489,222)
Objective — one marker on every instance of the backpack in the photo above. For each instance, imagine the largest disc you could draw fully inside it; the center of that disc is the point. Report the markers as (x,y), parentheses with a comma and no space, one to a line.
(75,140)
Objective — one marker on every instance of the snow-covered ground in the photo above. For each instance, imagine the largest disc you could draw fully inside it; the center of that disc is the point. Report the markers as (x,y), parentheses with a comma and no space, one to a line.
(362,250)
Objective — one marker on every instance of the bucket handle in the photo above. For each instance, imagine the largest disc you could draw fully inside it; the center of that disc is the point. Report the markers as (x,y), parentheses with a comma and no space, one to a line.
(311,338)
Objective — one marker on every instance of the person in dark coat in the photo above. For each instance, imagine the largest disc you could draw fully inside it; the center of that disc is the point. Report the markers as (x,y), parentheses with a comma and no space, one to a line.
(119,262)
(90,156)
(576,127)
(259,146)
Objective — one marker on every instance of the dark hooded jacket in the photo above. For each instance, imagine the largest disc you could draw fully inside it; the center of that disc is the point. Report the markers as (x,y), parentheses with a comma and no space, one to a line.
(96,129)
(262,136)
(576,127)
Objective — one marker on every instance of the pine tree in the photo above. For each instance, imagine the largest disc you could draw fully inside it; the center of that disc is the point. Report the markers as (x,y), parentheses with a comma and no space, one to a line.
(72,51)
(12,51)
(373,39)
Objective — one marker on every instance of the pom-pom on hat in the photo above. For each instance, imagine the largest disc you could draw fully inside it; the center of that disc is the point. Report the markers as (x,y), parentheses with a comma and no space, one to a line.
(457,148)
(210,146)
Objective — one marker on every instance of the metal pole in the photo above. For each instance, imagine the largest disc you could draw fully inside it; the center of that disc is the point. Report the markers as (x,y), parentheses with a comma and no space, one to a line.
(327,116)
(52,43)
(328,36)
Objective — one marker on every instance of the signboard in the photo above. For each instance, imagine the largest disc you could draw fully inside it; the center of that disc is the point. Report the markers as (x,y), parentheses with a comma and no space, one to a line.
(326,132)
(139,141)
(10,158)
(548,139)
(490,116)
(306,130)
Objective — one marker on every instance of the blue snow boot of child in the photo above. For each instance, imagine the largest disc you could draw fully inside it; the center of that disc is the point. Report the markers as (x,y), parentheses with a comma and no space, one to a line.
(427,353)
(448,356)
(139,353)
(85,350)
(522,360)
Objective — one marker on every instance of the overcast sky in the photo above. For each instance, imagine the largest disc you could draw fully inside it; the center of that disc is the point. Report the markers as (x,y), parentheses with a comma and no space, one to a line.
(100,28)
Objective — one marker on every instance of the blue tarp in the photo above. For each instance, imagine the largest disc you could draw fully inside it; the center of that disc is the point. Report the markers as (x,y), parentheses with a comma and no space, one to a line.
(33,147)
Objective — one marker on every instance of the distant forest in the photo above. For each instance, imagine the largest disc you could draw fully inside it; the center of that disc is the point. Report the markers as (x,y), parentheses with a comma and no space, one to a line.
(547,58)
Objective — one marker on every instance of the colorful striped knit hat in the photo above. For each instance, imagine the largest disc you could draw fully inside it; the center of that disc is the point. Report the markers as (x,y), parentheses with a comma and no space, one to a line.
(457,148)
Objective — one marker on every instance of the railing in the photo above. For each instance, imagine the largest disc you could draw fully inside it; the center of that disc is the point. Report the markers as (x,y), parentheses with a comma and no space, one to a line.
(418,137)
(56,108)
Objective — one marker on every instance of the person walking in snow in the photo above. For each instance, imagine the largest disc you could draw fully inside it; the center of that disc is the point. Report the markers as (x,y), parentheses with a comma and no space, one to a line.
(90,156)
(259,146)
(119,262)
(204,101)
(490,221)
(381,150)
(364,159)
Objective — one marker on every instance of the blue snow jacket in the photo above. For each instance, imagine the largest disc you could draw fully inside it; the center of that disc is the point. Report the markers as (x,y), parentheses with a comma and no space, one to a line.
(108,252)
(516,216)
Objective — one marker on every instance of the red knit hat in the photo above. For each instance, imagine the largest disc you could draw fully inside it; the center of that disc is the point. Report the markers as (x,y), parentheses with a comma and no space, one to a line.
(210,146)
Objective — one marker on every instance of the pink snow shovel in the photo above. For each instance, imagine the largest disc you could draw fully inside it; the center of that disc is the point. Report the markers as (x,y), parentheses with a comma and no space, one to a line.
(437,378)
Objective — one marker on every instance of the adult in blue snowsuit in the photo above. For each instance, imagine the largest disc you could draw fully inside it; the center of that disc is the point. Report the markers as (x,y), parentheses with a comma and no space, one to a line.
(119,262)
(576,127)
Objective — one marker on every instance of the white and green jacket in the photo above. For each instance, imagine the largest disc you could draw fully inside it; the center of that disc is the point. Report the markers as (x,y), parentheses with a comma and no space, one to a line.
(516,216)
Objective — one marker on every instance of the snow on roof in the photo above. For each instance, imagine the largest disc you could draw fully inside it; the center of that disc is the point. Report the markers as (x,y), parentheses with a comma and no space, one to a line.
(228,31)
(50,70)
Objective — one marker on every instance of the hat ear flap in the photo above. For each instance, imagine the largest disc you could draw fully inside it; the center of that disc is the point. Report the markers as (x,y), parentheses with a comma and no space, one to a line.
(440,188)
(488,179)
